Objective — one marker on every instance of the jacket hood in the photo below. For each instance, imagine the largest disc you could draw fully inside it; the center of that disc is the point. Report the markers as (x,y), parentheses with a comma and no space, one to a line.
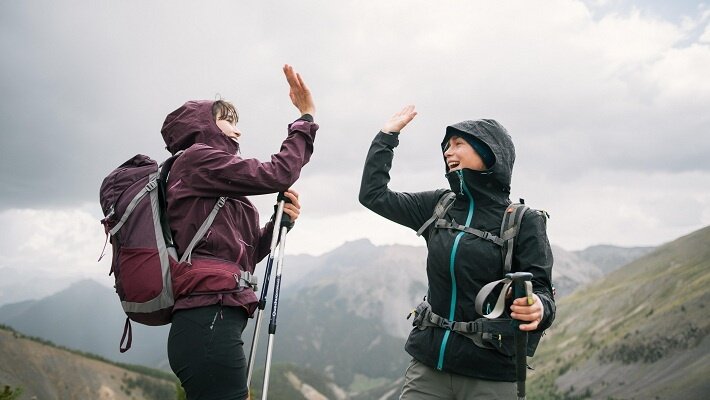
(497,177)
(193,123)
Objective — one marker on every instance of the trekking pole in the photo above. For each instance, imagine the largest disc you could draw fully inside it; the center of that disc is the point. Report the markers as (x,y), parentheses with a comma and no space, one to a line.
(281,201)
(522,287)
(285,221)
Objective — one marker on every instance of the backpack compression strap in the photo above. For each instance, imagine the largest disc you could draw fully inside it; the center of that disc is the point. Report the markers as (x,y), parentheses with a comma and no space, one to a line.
(442,206)
(509,229)
(149,187)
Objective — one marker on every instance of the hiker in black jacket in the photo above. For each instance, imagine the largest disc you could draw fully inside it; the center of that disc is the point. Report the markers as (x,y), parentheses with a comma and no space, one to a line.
(479,158)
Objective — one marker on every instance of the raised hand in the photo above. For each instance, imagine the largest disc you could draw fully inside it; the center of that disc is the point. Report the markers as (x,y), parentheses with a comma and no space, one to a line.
(399,120)
(299,93)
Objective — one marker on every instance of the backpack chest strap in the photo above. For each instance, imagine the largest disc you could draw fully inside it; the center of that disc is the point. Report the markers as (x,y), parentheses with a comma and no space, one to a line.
(444,224)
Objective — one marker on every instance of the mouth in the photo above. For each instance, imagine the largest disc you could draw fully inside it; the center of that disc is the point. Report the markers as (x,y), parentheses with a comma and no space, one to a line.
(452,165)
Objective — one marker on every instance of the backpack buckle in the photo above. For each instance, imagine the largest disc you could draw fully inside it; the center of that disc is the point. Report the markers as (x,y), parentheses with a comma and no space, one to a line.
(446,324)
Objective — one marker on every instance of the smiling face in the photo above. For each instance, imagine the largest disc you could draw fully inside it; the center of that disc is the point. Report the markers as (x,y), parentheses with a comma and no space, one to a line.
(459,154)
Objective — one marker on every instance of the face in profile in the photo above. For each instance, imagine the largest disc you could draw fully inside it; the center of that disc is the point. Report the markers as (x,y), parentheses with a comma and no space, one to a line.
(229,128)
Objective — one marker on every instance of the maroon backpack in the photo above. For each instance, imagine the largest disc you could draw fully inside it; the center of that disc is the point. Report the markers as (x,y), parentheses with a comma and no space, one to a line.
(133,202)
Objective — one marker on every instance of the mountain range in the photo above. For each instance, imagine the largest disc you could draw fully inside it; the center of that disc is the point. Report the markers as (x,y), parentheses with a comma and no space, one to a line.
(342,319)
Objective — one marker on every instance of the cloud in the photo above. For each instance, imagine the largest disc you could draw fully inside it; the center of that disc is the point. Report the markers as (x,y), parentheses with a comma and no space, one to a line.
(608,90)
(44,250)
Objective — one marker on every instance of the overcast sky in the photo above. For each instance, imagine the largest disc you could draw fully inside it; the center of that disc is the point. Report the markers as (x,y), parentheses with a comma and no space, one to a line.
(607,103)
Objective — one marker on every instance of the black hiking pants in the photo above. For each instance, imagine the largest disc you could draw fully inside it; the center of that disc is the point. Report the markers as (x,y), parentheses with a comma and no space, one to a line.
(205,350)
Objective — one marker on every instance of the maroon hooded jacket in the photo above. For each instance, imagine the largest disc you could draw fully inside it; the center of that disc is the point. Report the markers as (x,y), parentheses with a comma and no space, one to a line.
(210,168)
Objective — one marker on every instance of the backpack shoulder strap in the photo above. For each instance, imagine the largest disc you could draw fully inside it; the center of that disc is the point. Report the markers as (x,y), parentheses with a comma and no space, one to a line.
(163,184)
(442,206)
(164,171)
(187,254)
(509,229)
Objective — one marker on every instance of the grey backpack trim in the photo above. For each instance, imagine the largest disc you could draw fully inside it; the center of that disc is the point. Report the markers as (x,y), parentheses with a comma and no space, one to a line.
(165,298)
(187,255)
(509,229)
(442,206)
(149,187)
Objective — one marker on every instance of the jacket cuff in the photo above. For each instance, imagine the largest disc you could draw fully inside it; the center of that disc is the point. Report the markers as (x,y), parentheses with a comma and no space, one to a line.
(306,117)
(303,126)
(550,309)
(390,139)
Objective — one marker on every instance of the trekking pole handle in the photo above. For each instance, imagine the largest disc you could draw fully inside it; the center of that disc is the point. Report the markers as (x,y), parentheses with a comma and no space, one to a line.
(522,285)
(285,218)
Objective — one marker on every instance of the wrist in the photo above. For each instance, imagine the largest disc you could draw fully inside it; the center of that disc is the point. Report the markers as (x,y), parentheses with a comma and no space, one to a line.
(307,117)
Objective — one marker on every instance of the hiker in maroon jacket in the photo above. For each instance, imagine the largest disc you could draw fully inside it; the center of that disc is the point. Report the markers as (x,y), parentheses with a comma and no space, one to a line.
(211,308)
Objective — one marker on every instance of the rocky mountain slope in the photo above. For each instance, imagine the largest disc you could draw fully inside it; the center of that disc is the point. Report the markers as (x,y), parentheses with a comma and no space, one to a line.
(641,332)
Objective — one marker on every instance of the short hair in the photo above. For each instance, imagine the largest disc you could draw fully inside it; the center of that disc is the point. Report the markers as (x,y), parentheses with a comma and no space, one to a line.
(222,109)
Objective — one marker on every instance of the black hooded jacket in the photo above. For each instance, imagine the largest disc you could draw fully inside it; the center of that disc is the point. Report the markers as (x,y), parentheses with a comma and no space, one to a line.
(459,264)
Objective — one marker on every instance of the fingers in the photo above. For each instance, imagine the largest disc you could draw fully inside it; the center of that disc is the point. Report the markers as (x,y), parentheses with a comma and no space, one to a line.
(298,91)
(294,79)
(407,110)
(291,76)
(529,327)
(532,314)
(400,119)
(300,82)
(293,196)
(292,209)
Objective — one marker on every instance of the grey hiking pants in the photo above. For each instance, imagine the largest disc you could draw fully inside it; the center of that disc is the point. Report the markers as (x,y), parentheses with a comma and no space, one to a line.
(425,383)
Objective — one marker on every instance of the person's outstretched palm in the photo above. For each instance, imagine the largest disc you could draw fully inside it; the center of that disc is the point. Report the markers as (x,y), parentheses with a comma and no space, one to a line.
(299,93)
(399,120)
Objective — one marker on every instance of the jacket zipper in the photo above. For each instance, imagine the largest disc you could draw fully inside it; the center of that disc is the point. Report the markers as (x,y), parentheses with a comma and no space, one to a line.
(463,190)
